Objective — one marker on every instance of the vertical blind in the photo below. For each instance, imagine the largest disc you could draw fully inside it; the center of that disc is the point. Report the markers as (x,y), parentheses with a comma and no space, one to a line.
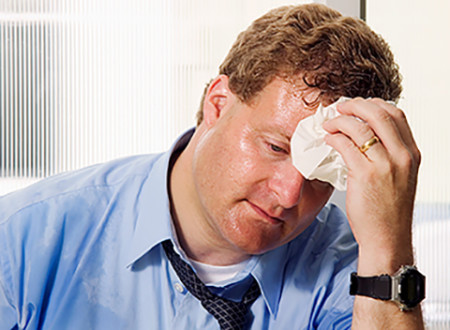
(85,81)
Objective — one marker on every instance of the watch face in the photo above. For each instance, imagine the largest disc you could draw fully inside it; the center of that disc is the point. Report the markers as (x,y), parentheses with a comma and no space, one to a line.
(412,284)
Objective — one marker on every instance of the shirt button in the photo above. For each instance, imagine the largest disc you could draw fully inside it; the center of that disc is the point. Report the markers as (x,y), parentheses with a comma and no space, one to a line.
(179,287)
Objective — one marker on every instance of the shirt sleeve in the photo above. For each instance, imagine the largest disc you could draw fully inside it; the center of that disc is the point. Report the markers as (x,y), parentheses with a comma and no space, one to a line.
(341,320)
(339,259)
(7,310)
(337,309)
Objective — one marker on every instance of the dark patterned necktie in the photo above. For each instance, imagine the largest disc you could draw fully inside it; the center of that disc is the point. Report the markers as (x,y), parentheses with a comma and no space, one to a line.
(231,315)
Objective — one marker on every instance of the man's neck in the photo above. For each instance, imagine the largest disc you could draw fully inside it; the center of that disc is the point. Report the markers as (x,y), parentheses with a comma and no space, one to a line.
(196,235)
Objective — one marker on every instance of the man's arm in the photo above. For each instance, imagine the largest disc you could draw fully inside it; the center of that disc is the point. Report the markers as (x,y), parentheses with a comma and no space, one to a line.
(8,314)
(380,200)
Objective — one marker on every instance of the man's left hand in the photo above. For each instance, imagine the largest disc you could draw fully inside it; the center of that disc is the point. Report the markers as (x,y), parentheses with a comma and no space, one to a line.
(381,180)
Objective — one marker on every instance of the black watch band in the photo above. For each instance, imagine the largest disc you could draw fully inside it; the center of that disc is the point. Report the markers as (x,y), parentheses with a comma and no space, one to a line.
(406,287)
(378,287)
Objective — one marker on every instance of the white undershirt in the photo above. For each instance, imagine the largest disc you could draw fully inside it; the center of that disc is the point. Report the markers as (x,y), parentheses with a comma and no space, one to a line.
(210,274)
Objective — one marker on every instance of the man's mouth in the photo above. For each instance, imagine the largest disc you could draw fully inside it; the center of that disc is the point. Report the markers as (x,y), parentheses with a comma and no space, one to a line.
(265,215)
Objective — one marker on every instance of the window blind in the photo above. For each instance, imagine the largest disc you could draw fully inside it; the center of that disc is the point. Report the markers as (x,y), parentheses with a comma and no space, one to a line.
(85,81)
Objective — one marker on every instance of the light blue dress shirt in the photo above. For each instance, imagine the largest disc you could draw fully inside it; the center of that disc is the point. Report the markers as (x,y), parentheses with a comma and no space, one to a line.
(82,251)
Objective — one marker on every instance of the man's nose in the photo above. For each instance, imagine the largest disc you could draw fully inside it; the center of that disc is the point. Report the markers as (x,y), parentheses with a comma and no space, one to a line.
(287,183)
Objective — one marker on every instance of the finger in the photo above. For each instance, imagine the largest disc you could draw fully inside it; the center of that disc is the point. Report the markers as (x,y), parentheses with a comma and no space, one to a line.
(353,158)
(402,124)
(358,131)
(379,119)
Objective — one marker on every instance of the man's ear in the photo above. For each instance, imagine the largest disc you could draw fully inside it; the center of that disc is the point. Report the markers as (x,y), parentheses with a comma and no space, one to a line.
(217,100)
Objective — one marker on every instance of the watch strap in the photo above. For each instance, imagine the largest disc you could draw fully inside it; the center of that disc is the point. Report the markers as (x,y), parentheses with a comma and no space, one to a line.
(378,287)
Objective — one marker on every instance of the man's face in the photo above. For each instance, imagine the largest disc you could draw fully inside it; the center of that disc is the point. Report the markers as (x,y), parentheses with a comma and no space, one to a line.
(250,195)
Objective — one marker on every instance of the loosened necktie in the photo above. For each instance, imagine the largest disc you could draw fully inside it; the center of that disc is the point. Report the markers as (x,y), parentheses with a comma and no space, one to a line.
(230,315)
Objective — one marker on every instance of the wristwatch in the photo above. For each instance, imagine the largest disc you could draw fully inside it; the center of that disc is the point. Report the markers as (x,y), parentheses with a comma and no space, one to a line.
(406,287)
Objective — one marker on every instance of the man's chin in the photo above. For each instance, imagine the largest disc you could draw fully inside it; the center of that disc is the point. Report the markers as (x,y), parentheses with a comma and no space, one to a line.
(257,246)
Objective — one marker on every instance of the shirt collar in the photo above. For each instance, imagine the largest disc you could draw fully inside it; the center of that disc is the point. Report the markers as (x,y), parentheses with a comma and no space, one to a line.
(268,272)
(153,224)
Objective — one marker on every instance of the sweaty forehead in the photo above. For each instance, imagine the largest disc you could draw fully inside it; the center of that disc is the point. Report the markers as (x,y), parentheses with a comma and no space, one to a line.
(284,103)
(294,93)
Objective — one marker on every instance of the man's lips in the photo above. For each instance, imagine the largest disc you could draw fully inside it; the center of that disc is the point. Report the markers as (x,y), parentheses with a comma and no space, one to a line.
(264,214)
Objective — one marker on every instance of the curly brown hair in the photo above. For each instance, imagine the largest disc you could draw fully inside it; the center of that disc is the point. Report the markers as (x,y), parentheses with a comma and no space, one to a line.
(339,55)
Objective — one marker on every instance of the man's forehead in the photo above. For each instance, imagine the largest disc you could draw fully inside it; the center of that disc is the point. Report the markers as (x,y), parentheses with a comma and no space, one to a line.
(284,126)
(283,103)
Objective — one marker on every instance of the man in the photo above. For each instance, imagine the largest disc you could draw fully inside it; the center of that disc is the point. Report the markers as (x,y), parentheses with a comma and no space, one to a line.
(101,248)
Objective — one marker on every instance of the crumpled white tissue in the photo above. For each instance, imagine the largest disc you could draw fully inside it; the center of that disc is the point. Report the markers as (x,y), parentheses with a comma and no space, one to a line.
(311,156)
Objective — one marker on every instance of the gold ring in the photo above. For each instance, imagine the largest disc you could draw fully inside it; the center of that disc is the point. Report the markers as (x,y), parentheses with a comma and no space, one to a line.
(366,146)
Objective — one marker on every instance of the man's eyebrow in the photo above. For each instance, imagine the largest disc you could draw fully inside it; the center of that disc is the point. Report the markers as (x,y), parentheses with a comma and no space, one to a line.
(287,137)
(281,131)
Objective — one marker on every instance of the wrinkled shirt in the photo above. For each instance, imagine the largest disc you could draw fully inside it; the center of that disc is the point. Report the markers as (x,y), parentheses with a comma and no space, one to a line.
(82,251)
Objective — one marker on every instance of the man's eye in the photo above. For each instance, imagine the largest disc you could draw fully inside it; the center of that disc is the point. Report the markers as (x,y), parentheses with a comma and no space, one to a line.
(276,148)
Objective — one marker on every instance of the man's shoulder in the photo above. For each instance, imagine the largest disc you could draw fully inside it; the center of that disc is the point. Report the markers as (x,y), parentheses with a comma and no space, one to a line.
(326,246)
(95,181)
(328,237)
(316,266)
(333,228)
